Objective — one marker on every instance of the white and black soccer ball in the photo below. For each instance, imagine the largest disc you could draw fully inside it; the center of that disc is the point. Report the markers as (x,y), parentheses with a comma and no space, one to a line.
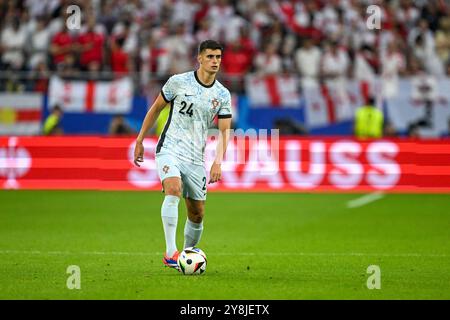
(192,261)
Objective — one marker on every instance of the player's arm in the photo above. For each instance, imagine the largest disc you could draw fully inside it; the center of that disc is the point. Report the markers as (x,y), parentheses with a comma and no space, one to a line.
(149,121)
(224,136)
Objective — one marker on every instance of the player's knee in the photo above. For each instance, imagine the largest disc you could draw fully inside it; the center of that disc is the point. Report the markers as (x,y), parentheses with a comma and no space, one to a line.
(196,218)
(196,214)
(173,190)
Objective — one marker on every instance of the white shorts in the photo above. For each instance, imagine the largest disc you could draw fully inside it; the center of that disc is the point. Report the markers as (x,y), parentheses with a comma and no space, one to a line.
(193,177)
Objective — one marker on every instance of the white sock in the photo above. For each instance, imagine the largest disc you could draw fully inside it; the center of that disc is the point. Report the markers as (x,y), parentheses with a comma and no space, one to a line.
(192,233)
(169,215)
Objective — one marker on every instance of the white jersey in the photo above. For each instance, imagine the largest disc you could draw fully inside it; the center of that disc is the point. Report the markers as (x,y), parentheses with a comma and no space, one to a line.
(193,107)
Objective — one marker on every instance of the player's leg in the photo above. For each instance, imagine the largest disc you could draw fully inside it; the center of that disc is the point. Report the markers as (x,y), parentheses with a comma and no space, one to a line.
(170,176)
(193,228)
(169,212)
(194,192)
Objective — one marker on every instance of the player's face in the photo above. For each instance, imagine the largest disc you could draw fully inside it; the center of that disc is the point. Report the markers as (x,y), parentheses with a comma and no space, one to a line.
(210,60)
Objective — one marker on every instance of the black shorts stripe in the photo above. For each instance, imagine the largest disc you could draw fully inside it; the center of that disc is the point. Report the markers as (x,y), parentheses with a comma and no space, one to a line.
(224,116)
(166,127)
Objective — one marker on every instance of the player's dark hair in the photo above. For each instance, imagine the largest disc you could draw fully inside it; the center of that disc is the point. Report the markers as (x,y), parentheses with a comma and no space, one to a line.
(209,44)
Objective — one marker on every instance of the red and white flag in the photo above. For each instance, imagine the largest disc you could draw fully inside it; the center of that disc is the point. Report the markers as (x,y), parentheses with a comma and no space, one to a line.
(91,96)
(273,91)
(326,104)
(20,113)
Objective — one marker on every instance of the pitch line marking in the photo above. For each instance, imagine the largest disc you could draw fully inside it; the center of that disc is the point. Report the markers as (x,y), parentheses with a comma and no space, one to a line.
(311,254)
(366,199)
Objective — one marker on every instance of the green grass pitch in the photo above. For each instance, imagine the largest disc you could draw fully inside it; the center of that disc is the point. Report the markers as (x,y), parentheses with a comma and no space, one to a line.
(259,246)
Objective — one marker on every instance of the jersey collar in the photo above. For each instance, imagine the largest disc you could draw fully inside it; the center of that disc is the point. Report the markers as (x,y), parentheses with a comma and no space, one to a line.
(201,83)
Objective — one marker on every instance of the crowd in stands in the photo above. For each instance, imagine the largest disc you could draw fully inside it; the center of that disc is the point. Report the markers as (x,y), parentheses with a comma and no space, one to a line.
(315,39)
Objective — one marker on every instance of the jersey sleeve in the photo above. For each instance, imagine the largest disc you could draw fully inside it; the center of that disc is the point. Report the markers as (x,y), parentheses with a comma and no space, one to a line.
(225,110)
(169,90)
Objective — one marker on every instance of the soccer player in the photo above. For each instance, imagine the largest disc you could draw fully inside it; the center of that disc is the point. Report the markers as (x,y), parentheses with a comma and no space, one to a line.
(195,98)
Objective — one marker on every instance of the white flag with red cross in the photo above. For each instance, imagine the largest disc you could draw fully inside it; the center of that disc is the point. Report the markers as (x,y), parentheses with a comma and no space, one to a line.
(91,96)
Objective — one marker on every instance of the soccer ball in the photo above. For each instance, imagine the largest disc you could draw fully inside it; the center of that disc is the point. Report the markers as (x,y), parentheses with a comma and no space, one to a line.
(192,261)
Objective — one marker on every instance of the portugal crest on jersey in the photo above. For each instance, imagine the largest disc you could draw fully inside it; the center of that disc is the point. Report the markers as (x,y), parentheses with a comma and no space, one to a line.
(215,103)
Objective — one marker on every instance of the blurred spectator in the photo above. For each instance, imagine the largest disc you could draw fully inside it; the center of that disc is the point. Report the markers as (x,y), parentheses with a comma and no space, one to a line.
(365,70)
(38,43)
(407,14)
(162,30)
(233,28)
(274,34)
(39,78)
(309,19)
(390,37)
(393,65)
(52,124)
(220,14)
(421,29)
(307,59)
(62,48)
(179,47)
(442,39)
(12,45)
(333,22)
(127,30)
(149,56)
(421,40)
(335,62)
(247,42)
(42,7)
(204,31)
(201,13)
(235,63)
(431,14)
(334,71)
(183,12)
(368,121)
(261,20)
(108,15)
(427,56)
(120,60)
(68,67)
(287,52)
(91,44)
(119,126)
(268,62)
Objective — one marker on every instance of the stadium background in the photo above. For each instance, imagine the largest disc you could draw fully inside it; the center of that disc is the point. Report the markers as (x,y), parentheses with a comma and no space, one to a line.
(303,67)
(265,41)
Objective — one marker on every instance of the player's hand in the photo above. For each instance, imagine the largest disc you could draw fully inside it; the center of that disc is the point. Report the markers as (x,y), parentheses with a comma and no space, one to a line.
(215,173)
(138,153)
